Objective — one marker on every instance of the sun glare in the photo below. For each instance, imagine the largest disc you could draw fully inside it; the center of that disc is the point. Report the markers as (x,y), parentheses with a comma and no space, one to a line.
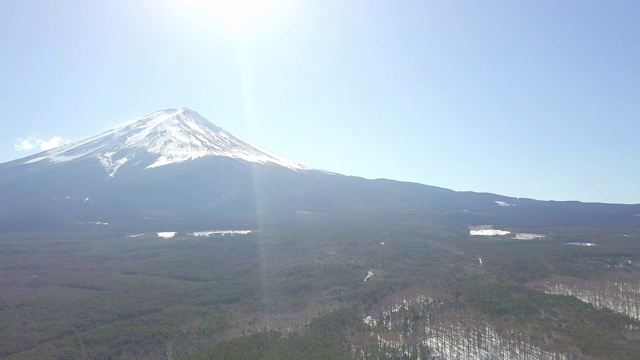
(239,15)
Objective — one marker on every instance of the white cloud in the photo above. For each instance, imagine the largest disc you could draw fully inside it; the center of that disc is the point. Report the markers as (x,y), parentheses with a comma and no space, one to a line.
(51,143)
(24,144)
(33,141)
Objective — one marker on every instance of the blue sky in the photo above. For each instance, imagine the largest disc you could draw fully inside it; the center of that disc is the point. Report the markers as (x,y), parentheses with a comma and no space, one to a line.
(522,98)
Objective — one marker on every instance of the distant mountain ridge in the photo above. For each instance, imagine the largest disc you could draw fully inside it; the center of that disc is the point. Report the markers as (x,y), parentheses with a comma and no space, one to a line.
(174,166)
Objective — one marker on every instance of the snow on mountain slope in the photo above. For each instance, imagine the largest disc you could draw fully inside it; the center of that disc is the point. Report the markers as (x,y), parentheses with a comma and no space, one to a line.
(173,135)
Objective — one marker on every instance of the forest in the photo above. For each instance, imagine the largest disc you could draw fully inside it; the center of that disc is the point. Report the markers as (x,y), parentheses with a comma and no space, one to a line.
(378,287)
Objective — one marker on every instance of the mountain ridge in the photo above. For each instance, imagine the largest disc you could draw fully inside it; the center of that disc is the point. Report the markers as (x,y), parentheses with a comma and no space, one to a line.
(173,165)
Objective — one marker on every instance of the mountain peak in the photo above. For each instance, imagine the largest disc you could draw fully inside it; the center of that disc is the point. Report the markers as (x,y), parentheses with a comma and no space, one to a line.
(175,116)
(161,138)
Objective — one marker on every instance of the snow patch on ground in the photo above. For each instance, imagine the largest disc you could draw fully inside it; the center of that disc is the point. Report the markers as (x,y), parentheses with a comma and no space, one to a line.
(92,223)
(112,165)
(502,203)
(117,165)
(368,320)
(369,275)
(220,232)
(447,334)
(35,160)
(167,234)
(621,297)
(525,236)
(486,230)
(171,234)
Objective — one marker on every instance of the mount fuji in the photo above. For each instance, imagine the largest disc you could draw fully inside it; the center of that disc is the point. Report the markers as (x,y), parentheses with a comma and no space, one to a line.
(174,166)
(161,138)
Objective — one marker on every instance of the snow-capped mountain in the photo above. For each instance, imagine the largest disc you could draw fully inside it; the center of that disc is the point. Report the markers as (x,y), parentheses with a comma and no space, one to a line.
(175,166)
(161,138)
